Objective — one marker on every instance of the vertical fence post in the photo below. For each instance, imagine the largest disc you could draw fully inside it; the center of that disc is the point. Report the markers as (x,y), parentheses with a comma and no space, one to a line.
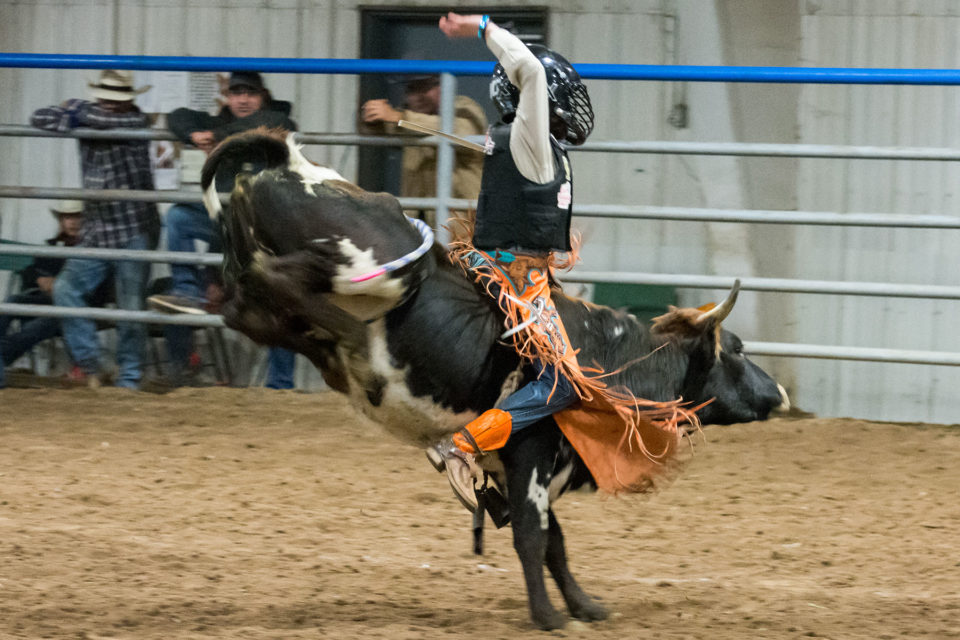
(445,154)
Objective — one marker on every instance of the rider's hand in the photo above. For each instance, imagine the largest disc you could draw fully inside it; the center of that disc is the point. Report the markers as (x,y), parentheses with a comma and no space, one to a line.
(455,25)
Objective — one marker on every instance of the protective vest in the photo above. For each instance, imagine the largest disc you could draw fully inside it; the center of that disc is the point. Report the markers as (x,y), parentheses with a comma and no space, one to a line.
(516,213)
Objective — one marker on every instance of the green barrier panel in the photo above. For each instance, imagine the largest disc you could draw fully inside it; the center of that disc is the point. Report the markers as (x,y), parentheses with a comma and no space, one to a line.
(14,263)
(645,301)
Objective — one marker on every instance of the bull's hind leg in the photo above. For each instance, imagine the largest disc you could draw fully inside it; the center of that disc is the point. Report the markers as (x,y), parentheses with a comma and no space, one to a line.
(528,467)
(579,603)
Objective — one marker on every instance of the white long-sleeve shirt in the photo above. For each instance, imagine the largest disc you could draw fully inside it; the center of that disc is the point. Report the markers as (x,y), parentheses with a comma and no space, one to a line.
(530,134)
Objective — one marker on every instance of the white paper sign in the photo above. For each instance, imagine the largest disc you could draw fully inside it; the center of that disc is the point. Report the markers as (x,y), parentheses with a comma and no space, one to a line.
(165,164)
(204,90)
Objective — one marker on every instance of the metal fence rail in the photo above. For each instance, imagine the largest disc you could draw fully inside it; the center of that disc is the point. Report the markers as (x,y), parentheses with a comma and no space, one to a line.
(134,255)
(627,212)
(783,285)
(782,150)
(689,73)
(111,315)
(861,354)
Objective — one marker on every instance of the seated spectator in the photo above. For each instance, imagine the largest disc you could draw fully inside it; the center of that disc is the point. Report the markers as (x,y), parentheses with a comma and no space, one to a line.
(248,105)
(37,288)
(107,164)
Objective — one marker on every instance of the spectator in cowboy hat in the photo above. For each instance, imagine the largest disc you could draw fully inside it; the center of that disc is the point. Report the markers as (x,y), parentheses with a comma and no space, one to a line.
(107,164)
(36,283)
(116,86)
(248,105)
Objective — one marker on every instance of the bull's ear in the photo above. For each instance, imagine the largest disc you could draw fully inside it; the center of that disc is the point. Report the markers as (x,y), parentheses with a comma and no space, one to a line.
(671,310)
(713,315)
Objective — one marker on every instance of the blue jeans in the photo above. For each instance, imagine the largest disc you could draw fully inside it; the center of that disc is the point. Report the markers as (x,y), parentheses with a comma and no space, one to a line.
(186,223)
(280,368)
(32,330)
(78,279)
(528,404)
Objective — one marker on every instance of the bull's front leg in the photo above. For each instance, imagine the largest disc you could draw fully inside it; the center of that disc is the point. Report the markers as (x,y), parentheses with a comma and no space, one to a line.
(528,473)
(579,604)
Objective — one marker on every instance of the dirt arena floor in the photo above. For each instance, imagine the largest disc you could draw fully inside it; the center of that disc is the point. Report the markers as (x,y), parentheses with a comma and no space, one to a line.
(228,513)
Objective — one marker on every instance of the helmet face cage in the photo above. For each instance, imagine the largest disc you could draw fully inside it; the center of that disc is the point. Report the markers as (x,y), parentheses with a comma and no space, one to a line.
(569,100)
(572,105)
(504,94)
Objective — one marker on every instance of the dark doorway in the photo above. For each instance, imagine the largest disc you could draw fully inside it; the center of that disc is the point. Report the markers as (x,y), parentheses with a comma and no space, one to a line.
(413,34)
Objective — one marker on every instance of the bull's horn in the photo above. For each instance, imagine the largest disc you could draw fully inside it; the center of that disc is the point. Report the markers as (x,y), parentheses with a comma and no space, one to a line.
(720,312)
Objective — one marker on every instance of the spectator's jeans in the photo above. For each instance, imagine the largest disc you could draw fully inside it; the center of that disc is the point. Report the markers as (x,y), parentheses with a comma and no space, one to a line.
(187,223)
(280,364)
(32,330)
(79,278)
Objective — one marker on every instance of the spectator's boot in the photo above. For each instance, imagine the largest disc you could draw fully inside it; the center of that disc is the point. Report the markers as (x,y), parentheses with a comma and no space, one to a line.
(457,454)
(80,377)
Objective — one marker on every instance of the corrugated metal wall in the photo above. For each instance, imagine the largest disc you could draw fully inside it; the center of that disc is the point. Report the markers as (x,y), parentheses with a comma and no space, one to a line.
(751,32)
(879,34)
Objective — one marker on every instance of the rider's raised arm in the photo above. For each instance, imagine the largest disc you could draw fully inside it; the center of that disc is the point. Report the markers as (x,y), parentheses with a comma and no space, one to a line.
(530,135)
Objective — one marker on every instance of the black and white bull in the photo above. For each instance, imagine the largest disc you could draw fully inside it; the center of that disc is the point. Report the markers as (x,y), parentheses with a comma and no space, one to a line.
(418,349)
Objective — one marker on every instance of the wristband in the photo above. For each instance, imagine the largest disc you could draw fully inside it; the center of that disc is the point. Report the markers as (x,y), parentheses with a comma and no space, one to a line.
(483,26)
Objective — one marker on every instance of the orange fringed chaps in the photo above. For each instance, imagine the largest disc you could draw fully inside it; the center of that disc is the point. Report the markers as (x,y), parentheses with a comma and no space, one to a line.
(626,442)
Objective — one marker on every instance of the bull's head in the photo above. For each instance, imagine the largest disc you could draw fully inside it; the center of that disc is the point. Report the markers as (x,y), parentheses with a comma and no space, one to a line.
(718,368)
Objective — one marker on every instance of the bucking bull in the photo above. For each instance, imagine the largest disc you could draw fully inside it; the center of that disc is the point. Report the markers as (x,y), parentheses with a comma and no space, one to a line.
(417,346)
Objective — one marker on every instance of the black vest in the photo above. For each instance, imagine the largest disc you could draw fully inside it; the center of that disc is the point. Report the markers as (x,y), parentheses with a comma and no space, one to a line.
(516,213)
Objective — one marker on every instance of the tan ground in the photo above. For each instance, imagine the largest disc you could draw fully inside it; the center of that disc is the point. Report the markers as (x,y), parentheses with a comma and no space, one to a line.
(223,513)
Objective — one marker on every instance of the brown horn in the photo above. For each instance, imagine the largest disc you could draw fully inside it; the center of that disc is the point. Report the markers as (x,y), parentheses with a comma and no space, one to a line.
(720,312)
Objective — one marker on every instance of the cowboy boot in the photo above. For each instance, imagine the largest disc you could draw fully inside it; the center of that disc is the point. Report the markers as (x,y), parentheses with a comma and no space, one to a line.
(456,455)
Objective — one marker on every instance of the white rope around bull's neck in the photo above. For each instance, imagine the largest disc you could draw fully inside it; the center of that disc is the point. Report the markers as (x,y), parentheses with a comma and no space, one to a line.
(425,232)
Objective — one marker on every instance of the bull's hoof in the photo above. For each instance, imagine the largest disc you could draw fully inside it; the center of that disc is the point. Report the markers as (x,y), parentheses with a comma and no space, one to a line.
(548,620)
(588,609)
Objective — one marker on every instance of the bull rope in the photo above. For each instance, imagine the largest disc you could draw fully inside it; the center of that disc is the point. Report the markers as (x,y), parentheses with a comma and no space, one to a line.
(426,233)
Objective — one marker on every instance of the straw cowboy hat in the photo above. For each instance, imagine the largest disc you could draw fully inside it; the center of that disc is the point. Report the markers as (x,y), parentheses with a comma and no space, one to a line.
(67,208)
(115,85)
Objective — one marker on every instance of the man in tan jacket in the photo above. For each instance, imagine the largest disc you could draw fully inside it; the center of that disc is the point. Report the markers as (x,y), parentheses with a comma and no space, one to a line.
(420,163)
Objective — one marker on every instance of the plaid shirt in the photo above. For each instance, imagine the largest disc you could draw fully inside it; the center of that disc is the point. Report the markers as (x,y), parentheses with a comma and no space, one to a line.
(108,164)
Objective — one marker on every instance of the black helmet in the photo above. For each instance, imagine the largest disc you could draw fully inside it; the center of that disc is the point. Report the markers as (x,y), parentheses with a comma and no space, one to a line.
(569,100)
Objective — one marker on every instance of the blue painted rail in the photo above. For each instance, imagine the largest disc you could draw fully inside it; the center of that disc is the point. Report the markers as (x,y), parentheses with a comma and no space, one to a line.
(816,75)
